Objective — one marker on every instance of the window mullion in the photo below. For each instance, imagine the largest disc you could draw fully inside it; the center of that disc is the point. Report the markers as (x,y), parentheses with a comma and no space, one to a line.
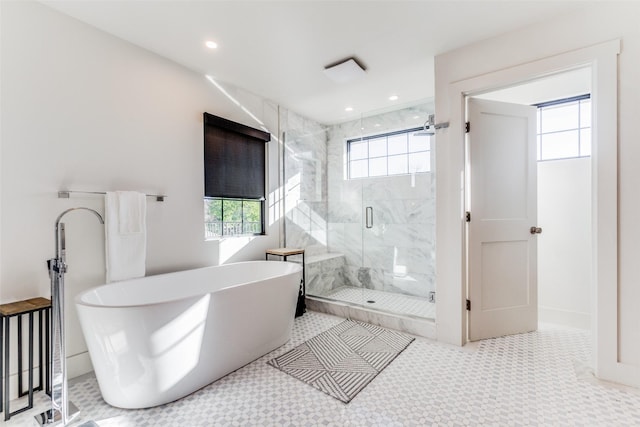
(579,130)
(221,217)
(386,143)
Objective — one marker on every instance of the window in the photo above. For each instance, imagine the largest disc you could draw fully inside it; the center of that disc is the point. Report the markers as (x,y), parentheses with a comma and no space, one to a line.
(394,153)
(234,178)
(229,217)
(564,128)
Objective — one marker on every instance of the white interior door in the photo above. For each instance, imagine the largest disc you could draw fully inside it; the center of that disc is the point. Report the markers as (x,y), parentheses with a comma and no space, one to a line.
(501,201)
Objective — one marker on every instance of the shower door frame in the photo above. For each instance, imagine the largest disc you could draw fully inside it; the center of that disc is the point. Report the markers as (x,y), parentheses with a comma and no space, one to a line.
(370,216)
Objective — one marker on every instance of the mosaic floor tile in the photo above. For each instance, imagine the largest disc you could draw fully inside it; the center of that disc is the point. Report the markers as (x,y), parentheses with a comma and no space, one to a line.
(520,380)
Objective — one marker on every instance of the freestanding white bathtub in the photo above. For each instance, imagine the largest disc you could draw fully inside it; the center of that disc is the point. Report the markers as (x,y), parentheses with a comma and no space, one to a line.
(156,339)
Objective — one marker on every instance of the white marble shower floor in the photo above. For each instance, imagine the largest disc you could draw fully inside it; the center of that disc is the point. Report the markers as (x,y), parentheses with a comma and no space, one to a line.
(404,305)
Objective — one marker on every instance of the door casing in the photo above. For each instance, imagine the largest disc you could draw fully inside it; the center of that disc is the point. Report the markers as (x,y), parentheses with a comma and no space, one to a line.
(449,147)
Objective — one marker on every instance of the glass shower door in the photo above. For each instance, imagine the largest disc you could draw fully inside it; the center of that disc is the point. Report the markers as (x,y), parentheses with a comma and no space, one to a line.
(397,272)
(359,198)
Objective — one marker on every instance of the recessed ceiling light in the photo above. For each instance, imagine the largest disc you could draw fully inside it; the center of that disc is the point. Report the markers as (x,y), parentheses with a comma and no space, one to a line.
(348,109)
(393,98)
(211,44)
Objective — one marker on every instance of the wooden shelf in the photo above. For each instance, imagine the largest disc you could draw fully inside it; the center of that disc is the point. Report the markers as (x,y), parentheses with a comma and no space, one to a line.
(285,251)
(21,307)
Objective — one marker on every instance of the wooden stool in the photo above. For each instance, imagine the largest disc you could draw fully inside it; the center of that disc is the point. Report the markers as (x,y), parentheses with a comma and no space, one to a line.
(19,309)
(284,253)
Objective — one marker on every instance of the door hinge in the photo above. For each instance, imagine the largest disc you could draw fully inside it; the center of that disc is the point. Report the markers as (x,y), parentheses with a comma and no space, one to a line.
(468,305)
(467,216)
(467,127)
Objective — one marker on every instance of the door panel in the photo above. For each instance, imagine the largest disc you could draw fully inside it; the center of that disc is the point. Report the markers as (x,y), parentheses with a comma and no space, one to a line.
(502,286)
(503,163)
(501,197)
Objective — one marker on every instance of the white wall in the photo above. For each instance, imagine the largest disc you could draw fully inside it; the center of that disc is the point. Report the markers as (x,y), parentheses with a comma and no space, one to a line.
(83,110)
(564,247)
(595,24)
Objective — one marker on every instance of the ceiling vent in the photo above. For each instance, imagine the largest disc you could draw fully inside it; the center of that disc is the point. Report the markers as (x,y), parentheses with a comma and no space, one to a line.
(345,71)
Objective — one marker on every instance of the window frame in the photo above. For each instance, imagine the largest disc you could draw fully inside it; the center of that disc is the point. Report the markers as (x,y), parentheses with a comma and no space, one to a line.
(386,156)
(245,136)
(210,235)
(578,129)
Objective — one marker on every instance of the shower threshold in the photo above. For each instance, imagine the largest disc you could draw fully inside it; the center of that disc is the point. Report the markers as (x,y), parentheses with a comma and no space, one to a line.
(406,313)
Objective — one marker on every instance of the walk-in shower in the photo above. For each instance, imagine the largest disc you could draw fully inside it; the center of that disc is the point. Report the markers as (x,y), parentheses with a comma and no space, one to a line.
(359,198)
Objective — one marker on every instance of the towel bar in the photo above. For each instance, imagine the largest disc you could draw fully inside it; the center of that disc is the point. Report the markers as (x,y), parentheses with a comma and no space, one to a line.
(64,194)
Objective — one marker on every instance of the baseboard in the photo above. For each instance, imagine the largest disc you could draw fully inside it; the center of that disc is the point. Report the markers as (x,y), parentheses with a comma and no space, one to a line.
(78,364)
(572,319)
(13,382)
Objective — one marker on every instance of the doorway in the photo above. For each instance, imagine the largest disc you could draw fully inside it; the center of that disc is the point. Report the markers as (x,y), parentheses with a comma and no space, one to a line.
(513,278)
(452,89)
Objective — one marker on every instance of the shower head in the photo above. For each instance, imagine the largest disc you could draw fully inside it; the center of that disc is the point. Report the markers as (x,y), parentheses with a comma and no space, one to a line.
(428,129)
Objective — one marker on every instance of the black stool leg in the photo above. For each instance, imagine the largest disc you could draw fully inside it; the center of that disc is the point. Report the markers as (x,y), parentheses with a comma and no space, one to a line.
(6,370)
(40,364)
(30,360)
(304,283)
(20,392)
(47,340)
(1,360)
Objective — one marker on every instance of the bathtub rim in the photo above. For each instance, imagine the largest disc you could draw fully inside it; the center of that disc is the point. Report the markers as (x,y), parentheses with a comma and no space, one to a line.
(79,302)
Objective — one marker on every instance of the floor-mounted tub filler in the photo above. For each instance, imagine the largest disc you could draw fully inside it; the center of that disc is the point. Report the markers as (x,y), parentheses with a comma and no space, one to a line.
(159,338)
(62,411)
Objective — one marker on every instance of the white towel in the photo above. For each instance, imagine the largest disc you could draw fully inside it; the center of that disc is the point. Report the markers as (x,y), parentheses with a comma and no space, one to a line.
(125,234)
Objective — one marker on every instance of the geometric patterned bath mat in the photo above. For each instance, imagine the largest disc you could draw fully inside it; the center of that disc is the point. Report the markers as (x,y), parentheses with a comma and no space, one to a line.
(344,359)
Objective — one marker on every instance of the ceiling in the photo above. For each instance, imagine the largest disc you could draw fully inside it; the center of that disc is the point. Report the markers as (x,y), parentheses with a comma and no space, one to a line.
(278,49)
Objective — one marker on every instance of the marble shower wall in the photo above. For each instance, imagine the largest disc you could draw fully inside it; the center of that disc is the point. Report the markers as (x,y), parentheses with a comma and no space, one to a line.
(305,178)
(398,253)
(324,212)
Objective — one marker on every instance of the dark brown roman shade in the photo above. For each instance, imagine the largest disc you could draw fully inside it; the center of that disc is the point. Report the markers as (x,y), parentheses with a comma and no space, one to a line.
(234,159)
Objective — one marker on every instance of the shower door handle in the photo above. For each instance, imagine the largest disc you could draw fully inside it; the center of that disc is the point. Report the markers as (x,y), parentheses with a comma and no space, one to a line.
(369,217)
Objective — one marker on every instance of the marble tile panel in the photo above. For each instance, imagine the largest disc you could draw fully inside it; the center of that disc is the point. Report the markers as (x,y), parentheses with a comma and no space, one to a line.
(383,302)
(400,235)
(378,256)
(414,284)
(347,239)
(370,278)
(415,326)
(324,273)
(412,260)
(314,250)
(420,211)
(398,187)
(351,273)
